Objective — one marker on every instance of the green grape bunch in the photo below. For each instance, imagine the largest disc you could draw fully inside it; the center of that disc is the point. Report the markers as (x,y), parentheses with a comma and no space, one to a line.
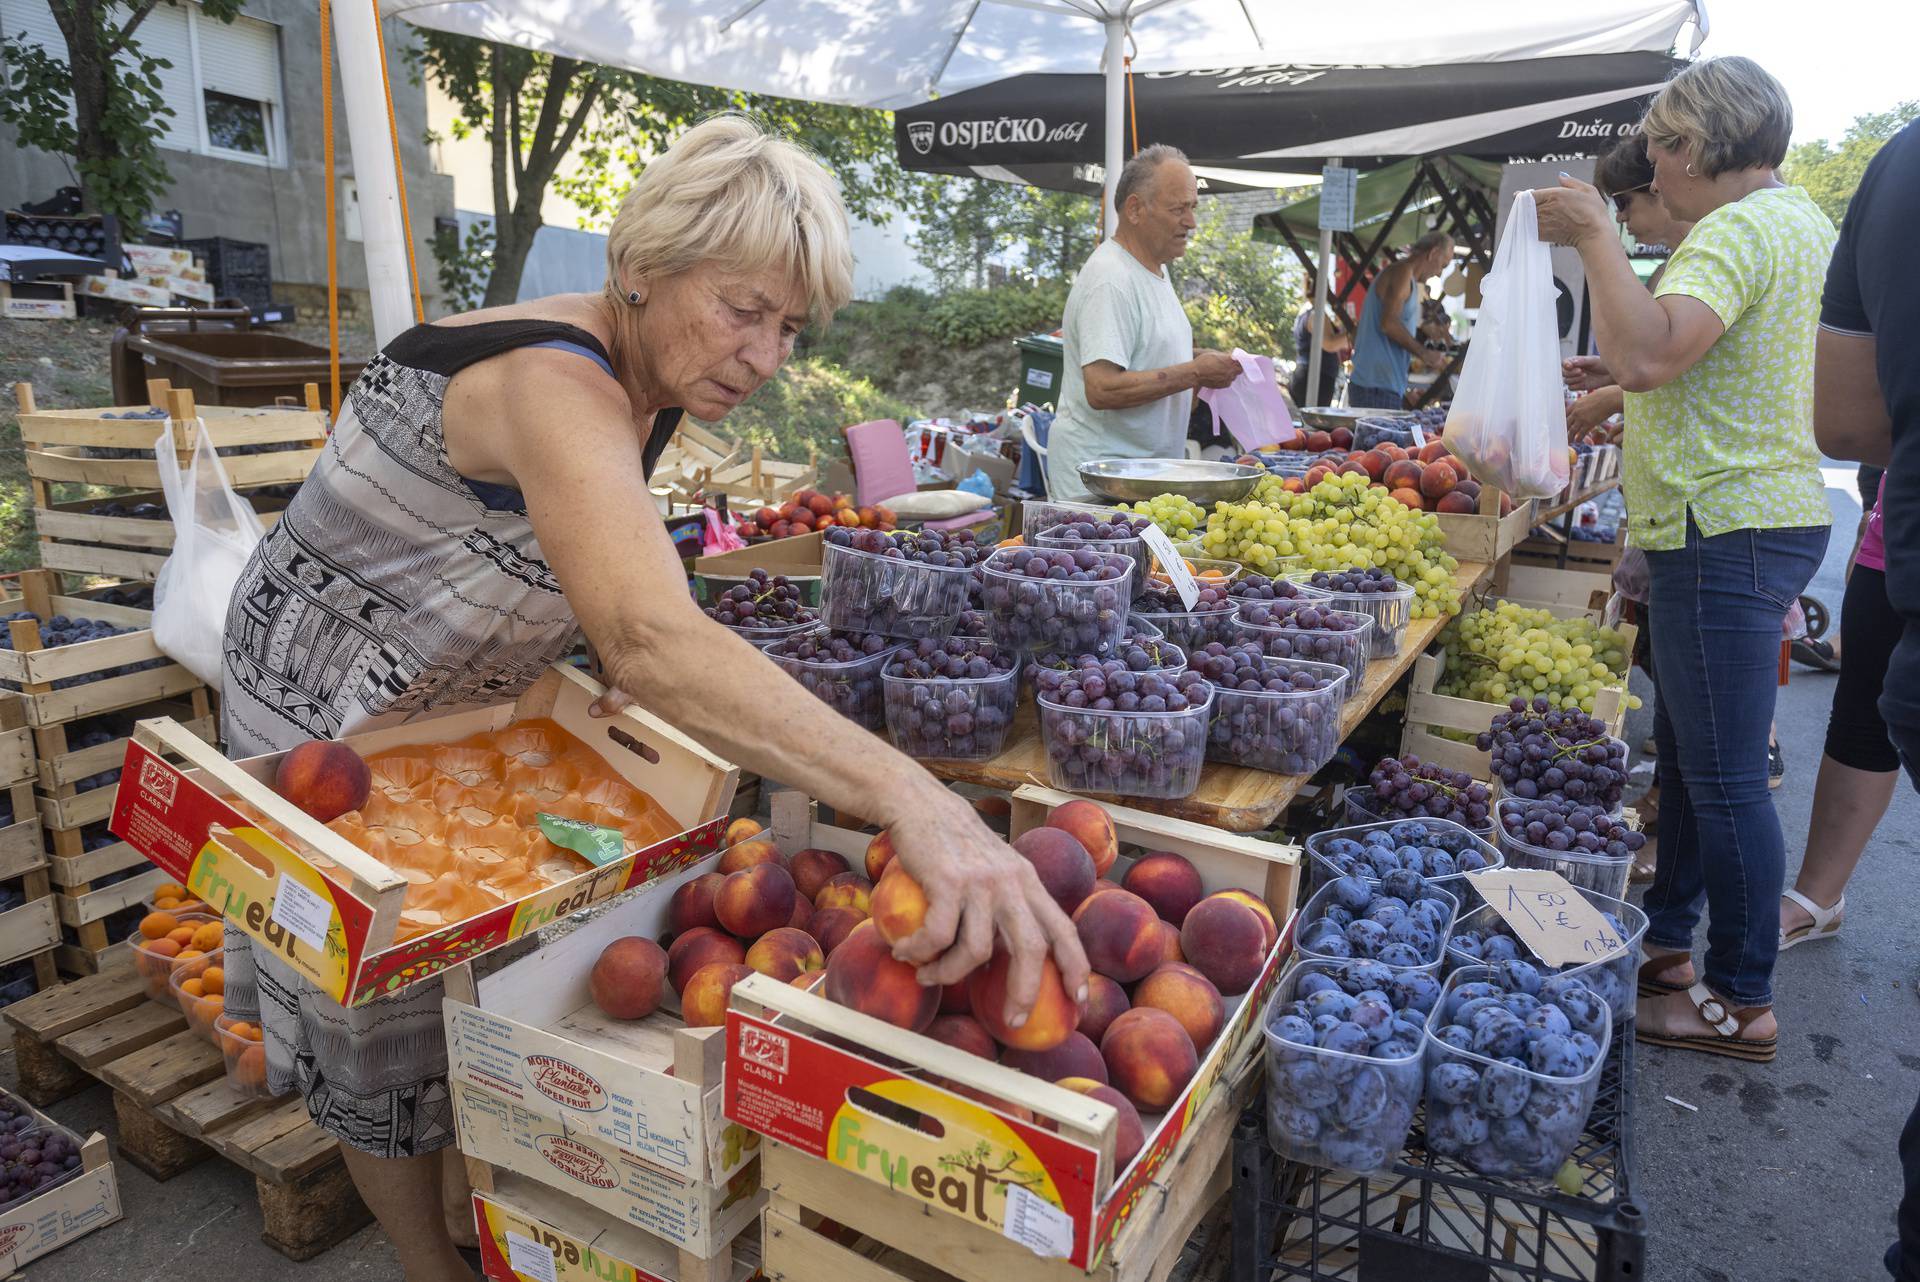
(1176,515)
(1508,650)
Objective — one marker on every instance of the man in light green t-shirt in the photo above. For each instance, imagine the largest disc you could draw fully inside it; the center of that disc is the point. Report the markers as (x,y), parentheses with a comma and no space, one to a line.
(1130,363)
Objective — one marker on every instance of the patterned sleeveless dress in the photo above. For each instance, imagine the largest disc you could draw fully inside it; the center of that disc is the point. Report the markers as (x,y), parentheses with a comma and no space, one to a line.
(390,586)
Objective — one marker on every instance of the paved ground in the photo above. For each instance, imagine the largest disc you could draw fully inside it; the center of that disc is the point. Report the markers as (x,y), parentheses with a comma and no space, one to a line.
(1777,1173)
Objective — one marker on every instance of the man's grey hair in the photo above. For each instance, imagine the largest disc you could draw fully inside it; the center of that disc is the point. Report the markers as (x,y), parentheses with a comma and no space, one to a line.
(1137,174)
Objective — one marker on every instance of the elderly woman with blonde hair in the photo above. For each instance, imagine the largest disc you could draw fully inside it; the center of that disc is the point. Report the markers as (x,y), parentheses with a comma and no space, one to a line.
(1725,496)
(482,499)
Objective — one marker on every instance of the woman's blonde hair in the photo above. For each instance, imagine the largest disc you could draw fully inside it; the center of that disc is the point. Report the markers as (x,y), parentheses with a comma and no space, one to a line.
(733,193)
(1729,110)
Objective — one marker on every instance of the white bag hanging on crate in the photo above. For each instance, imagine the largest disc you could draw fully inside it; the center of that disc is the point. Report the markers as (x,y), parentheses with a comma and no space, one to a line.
(214,532)
(1509,414)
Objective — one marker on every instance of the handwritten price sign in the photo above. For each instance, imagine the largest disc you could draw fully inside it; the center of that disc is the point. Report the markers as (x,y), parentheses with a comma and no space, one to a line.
(1549,916)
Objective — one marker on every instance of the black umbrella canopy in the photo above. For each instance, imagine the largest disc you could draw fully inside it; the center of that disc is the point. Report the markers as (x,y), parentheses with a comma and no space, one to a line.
(1047,130)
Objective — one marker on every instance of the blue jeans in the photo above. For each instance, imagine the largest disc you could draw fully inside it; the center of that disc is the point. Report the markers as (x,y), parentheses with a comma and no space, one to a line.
(1717,606)
(1374,398)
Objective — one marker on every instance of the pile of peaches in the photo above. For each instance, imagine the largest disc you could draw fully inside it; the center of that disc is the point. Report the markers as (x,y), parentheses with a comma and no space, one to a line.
(1428,479)
(810,510)
(1166,958)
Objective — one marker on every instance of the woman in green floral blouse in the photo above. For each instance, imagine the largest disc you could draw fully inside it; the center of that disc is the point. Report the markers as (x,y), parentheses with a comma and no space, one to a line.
(1724,494)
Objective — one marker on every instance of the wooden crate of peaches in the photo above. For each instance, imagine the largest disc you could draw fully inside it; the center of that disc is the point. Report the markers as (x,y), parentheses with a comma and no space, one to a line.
(810,510)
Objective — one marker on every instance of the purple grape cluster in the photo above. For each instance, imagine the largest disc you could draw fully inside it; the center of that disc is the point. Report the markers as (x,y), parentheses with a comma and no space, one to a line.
(1110,729)
(63,629)
(841,669)
(1483,937)
(1137,653)
(1510,1068)
(908,583)
(1309,630)
(1054,600)
(1211,617)
(1270,714)
(1540,751)
(1435,849)
(1106,529)
(1408,786)
(1401,920)
(765,605)
(1258,587)
(950,698)
(1354,582)
(1343,1062)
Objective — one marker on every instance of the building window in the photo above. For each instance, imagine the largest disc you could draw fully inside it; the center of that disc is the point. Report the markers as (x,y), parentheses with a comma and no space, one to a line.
(236,124)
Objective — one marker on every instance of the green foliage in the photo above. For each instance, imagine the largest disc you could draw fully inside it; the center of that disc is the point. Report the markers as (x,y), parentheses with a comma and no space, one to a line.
(1831,174)
(971,316)
(1238,292)
(464,266)
(101,106)
(805,406)
(965,222)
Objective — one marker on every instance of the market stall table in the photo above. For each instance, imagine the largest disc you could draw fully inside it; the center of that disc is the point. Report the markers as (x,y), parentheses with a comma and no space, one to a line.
(1236,798)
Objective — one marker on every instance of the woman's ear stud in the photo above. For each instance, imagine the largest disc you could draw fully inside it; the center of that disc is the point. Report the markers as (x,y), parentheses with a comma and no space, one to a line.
(633,296)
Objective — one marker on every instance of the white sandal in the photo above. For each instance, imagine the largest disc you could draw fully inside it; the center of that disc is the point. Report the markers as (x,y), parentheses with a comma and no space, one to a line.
(1826,921)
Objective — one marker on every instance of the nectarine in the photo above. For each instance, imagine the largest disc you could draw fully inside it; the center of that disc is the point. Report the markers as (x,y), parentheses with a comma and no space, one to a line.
(1105,1001)
(1053,1015)
(1226,941)
(879,855)
(963,1032)
(813,868)
(898,906)
(701,946)
(755,900)
(1150,1058)
(628,978)
(1129,1137)
(1168,882)
(1117,932)
(1189,997)
(785,952)
(703,1002)
(831,926)
(1091,826)
(324,778)
(1074,1057)
(863,975)
(846,890)
(1065,868)
(692,904)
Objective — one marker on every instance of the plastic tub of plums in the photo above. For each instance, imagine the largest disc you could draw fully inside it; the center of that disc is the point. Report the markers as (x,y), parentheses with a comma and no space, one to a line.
(1513,1062)
(910,584)
(1117,533)
(1312,631)
(1344,1067)
(1132,734)
(1592,849)
(36,1154)
(1372,592)
(1440,850)
(1051,600)
(1401,921)
(1210,618)
(1272,714)
(841,669)
(1482,937)
(951,699)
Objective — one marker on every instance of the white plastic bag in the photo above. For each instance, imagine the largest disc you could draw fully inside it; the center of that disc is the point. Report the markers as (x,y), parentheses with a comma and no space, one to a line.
(214,532)
(1508,421)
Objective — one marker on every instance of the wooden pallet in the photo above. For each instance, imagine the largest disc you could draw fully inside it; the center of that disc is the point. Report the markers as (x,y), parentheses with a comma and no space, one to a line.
(175,1108)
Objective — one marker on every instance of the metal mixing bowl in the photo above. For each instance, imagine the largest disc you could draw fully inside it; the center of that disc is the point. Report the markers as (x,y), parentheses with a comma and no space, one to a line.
(1328,417)
(1129,480)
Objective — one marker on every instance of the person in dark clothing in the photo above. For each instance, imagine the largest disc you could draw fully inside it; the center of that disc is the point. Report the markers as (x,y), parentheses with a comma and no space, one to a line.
(1336,342)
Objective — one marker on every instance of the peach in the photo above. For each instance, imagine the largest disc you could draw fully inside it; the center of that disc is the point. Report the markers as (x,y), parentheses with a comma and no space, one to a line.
(1189,997)
(1226,941)
(701,946)
(692,904)
(1129,1136)
(1066,869)
(863,975)
(1403,475)
(1075,1057)
(802,914)
(743,830)
(879,855)
(955,999)
(1150,1058)
(1088,824)
(1049,1022)
(784,953)
(831,926)
(1118,931)
(750,853)
(1166,945)
(1260,909)
(629,977)
(703,1002)
(1105,1001)
(1168,882)
(964,1033)
(899,906)
(1436,480)
(812,868)
(755,900)
(324,778)
(1458,502)
(846,890)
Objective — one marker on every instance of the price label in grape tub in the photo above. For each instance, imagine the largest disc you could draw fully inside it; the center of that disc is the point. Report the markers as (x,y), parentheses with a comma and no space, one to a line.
(1173,563)
(1550,917)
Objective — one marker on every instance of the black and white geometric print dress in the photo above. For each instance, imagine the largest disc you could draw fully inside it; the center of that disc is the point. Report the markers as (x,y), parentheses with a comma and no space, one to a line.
(391,585)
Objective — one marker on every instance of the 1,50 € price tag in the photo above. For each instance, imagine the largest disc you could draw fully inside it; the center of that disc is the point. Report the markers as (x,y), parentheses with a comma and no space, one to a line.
(1550,917)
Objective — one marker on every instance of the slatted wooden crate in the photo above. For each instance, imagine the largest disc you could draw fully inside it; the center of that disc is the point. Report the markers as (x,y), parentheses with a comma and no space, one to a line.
(174,1107)
(31,929)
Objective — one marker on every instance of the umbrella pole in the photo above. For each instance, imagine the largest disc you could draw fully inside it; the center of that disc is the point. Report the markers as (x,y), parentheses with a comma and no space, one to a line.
(1317,322)
(1114,63)
(356,28)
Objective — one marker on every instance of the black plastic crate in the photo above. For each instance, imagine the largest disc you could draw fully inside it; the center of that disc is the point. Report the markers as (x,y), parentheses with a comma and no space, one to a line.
(1434,1220)
(241,269)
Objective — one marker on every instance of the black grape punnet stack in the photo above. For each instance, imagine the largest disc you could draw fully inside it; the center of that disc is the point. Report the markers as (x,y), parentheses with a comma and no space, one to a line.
(1041,600)
(1411,788)
(1303,629)
(765,604)
(1210,618)
(908,583)
(951,698)
(1258,587)
(1137,653)
(1538,750)
(1110,729)
(1115,533)
(1366,582)
(1586,844)
(841,669)
(1281,715)
(1372,592)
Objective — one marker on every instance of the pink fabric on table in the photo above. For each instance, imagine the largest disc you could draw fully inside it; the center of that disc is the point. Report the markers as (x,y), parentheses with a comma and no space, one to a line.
(1873,550)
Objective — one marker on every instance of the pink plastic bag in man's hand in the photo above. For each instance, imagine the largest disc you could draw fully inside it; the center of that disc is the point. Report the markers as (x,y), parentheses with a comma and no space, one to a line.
(1251,407)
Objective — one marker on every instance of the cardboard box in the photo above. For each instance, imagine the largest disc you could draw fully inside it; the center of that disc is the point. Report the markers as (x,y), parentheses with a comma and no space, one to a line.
(126,291)
(548,1234)
(50,1220)
(162,259)
(181,820)
(44,300)
(180,286)
(792,1076)
(797,556)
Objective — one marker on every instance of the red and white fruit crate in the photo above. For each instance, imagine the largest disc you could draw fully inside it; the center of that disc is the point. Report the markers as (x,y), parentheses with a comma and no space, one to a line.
(330,910)
(970,1165)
